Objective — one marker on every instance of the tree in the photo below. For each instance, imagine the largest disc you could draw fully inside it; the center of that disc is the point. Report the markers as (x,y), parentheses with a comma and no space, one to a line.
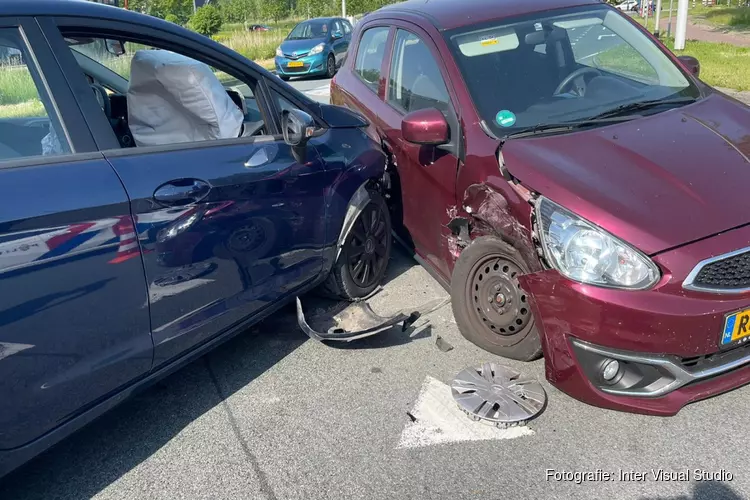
(172,18)
(273,9)
(206,20)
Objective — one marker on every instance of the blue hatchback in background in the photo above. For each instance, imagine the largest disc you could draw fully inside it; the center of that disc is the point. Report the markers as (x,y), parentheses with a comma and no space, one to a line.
(314,47)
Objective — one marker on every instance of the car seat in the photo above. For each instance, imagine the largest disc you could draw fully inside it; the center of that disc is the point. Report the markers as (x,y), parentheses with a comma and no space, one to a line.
(173,99)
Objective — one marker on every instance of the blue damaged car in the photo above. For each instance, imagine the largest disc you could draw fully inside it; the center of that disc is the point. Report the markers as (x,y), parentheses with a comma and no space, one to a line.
(158,194)
(314,47)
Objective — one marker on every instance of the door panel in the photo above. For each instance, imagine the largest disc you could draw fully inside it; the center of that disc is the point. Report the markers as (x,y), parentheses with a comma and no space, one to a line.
(74,322)
(427,173)
(74,319)
(212,260)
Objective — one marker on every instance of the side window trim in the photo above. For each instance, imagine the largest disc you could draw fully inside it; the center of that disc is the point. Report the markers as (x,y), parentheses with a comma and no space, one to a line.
(384,66)
(54,94)
(427,40)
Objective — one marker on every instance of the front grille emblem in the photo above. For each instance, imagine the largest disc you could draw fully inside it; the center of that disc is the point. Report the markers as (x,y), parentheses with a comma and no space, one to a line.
(294,54)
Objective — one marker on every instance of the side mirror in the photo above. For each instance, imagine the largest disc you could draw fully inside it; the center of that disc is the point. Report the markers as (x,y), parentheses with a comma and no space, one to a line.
(691,64)
(336,35)
(425,126)
(297,127)
(115,47)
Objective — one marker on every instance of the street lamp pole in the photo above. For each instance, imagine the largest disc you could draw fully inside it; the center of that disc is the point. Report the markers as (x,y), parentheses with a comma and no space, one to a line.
(657,19)
(343,8)
(669,23)
(681,29)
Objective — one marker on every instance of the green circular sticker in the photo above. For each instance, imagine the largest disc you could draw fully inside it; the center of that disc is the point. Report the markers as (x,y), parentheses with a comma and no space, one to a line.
(505,118)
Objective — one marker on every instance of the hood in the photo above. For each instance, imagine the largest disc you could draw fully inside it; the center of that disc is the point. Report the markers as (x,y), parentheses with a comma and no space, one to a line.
(289,46)
(656,182)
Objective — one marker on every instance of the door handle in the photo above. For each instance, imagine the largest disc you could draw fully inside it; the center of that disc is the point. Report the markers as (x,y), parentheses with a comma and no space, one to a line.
(181,192)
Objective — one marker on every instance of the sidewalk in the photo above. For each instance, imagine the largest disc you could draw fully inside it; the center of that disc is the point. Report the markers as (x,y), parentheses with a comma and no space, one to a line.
(706,33)
(741,96)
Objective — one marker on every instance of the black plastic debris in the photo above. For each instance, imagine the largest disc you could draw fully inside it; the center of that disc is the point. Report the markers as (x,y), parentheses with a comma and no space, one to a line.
(358,321)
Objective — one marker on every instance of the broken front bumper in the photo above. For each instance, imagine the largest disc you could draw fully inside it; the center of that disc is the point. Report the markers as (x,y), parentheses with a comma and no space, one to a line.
(358,321)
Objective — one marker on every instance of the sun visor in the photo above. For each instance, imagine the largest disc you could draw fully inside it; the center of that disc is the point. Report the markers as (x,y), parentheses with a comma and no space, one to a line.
(478,43)
(174,99)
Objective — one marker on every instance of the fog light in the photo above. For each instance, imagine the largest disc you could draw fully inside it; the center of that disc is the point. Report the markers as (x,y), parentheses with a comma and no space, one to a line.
(610,369)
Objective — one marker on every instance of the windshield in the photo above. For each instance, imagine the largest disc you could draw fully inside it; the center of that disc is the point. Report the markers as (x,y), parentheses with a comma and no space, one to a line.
(309,29)
(568,65)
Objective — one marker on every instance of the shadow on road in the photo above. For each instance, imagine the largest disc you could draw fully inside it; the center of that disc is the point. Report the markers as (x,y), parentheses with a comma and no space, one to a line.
(101,453)
(706,490)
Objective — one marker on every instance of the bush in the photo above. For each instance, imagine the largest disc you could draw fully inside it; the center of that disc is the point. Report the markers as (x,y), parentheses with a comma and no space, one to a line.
(206,20)
(172,19)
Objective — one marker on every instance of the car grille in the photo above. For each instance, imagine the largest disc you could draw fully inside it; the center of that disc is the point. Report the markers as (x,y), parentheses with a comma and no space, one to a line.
(730,273)
(297,56)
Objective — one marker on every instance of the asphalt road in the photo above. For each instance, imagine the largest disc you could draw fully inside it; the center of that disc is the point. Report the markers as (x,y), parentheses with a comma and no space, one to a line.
(274,415)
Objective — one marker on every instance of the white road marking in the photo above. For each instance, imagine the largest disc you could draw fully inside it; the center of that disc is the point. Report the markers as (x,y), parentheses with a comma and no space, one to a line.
(319,91)
(439,421)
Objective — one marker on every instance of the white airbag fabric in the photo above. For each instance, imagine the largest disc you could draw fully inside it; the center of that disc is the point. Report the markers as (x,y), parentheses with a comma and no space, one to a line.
(174,99)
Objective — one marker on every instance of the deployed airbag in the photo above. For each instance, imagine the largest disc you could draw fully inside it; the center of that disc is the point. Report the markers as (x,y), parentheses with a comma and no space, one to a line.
(174,99)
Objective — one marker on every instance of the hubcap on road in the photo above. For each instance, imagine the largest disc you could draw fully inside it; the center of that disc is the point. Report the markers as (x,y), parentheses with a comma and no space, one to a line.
(498,394)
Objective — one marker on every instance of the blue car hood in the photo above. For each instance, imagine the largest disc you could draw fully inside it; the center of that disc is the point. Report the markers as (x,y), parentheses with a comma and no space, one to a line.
(289,46)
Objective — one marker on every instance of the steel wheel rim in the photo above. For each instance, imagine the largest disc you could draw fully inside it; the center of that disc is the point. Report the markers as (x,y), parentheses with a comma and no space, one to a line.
(367,247)
(496,296)
(330,65)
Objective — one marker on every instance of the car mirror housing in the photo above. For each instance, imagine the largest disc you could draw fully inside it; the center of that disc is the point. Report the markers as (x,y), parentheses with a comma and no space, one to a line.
(297,127)
(425,126)
(336,35)
(691,64)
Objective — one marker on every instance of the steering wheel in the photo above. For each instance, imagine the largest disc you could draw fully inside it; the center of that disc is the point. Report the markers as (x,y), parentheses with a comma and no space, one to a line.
(575,75)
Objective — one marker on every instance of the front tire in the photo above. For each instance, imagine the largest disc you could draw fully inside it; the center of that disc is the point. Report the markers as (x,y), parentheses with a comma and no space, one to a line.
(363,260)
(284,77)
(491,309)
(330,66)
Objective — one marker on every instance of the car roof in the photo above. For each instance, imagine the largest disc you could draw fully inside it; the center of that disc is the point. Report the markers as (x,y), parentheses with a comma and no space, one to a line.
(67,8)
(449,14)
(84,8)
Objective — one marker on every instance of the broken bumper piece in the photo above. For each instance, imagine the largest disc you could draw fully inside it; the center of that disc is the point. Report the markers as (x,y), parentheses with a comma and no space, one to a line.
(358,321)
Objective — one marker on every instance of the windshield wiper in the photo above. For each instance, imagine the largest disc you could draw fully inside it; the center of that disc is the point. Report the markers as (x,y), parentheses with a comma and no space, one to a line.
(554,128)
(639,106)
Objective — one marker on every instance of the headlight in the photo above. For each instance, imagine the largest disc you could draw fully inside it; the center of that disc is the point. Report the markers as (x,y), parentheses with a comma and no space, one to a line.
(586,253)
(317,49)
(279,52)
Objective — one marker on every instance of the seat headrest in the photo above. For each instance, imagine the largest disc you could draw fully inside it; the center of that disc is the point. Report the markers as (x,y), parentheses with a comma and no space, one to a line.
(174,99)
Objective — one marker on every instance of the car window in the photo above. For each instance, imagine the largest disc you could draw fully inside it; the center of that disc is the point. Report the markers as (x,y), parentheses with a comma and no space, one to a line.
(370,54)
(566,65)
(337,27)
(415,82)
(347,27)
(168,98)
(25,126)
(616,57)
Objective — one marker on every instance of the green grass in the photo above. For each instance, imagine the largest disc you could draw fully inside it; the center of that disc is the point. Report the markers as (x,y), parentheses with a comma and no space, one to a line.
(16,85)
(730,18)
(722,64)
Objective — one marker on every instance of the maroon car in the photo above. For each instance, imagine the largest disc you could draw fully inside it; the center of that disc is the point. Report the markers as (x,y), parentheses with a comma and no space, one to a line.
(573,184)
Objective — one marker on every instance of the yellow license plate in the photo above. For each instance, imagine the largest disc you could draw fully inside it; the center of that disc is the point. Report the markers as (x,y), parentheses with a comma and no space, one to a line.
(736,327)
(295,64)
